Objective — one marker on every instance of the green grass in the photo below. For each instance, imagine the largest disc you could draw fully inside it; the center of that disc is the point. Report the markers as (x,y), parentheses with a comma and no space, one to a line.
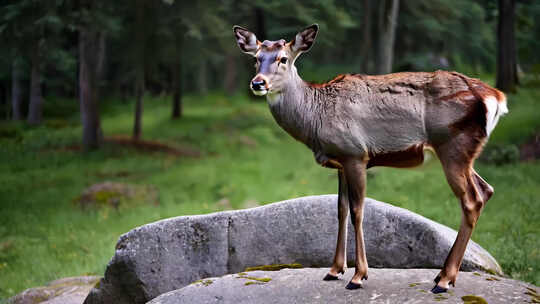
(44,235)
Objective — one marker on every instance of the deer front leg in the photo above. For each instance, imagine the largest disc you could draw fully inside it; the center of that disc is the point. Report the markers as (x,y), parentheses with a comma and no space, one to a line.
(355,174)
(340,258)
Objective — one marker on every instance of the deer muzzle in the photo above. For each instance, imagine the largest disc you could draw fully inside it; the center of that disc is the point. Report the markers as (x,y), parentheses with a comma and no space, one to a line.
(260,85)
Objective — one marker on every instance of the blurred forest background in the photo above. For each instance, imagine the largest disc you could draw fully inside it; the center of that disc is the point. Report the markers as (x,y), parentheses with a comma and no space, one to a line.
(154,94)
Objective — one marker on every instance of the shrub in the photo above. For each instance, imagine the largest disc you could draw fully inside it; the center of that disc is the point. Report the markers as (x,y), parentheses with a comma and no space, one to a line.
(500,154)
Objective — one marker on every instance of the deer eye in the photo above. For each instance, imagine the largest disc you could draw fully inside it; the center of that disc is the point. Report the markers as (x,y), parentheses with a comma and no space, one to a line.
(283,60)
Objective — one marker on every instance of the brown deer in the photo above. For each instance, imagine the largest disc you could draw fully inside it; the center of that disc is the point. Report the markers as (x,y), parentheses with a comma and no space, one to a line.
(355,122)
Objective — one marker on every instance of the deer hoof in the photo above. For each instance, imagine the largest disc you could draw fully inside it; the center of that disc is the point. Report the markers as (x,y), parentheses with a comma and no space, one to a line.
(438,289)
(364,277)
(353,286)
(330,277)
(437,279)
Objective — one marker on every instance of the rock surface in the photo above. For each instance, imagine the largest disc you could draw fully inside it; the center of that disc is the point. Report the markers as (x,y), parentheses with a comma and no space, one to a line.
(170,254)
(64,291)
(384,286)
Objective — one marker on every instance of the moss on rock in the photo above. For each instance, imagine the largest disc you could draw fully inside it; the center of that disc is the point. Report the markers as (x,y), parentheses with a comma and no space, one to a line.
(492,279)
(203,282)
(535,297)
(253,280)
(440,297)
(274,267)
(472,299)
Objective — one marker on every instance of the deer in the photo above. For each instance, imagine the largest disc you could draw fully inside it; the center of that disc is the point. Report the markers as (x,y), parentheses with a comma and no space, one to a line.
(354,122)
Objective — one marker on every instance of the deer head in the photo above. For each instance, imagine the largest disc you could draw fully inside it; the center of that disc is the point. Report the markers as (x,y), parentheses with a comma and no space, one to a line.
(274,60)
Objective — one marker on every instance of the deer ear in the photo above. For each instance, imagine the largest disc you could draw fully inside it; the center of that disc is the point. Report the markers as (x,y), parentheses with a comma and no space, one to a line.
(304,39)
(246,40)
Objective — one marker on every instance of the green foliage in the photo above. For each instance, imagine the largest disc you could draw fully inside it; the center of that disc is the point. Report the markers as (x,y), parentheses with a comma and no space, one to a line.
(527,33)
(500,154)
(457,30)
(458,35)
(522,122)
(330,15)
(11,131)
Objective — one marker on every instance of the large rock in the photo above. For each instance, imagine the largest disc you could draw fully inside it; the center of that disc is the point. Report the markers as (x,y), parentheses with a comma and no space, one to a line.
(170,254)
(71,290)
(384,286)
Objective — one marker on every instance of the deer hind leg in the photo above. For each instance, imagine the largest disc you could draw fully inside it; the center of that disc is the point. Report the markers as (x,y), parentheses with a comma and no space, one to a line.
(355,173)
(473,193)
(340,258)
(482,186)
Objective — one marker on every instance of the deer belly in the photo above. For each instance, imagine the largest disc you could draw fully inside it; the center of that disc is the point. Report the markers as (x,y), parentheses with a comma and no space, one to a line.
(375,136)
(410,157)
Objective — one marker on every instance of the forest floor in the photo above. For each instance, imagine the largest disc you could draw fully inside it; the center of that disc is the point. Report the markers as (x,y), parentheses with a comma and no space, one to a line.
(231,155)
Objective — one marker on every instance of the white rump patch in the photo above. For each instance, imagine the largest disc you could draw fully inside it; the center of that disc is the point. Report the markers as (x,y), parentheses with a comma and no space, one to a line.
(495,109)
(503,108)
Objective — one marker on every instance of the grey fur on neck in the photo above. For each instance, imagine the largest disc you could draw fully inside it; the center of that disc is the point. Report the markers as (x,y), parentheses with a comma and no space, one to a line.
(296,111)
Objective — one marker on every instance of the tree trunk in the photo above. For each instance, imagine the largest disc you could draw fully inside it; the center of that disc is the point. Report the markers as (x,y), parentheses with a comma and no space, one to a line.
(140,66)
(139,93)
(177,82)
(88,89)
(4,102)
(230,80)
(35,107)
(387,23)
(365,46)
(101,57)
(507,77)
(16,91)
(260,24)
(202,78)
(177,91)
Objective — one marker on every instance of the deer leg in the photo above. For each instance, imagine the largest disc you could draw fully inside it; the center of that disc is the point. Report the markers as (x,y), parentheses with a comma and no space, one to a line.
(482,186)
(473,192)
(355,174)
(340,258)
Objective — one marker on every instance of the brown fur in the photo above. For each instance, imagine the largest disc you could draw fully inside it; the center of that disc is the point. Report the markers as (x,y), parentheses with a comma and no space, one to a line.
(335,80)
(463,96)
(474,121)
(412,157)
(479,89)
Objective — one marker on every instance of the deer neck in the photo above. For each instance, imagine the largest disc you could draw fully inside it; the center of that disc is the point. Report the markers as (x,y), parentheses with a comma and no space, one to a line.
(295,110)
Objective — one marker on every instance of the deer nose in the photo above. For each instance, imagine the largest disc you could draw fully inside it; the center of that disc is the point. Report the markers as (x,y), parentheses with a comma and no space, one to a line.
(258,84)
